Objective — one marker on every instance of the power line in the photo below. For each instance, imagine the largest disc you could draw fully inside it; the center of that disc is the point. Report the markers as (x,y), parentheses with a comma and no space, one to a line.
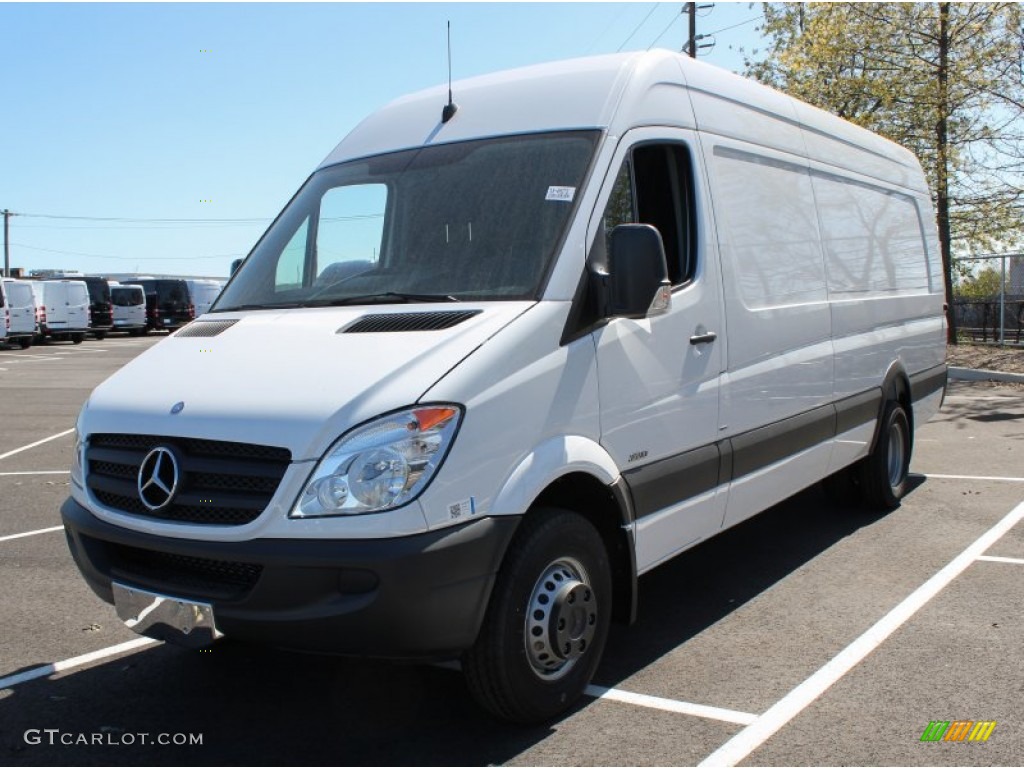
(675,18)
(604,31)
(140,220)
(128,258)
(653,9)
(733,26)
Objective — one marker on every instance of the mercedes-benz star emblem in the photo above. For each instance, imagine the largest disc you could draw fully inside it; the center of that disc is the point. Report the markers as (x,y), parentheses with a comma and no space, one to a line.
(158,478)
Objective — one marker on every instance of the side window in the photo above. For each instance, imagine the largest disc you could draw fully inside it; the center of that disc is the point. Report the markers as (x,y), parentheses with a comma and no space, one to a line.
(655,186)
(291,262)
(620,208)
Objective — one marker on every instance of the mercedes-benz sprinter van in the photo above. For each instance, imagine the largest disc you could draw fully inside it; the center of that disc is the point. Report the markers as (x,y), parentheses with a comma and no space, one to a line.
(129,302)
(498,357)
(17,312)
(66,304)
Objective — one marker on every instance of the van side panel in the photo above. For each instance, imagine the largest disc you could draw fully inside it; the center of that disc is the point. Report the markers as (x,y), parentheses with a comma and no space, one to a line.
(780,354)
(886,300)
(780,350)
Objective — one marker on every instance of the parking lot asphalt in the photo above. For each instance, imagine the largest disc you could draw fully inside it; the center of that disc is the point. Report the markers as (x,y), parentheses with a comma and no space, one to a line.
(813,634)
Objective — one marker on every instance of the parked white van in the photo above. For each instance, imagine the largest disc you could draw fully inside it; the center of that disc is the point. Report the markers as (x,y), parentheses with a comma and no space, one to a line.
(204,293)
(40,301)
(523,352)
(18,304)
(67,309)
(129,302)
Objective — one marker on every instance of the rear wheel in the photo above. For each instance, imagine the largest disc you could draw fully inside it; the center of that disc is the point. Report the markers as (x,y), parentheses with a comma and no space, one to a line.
(25,342)
(100,335)
(547,621)
(883,474)
(77,338)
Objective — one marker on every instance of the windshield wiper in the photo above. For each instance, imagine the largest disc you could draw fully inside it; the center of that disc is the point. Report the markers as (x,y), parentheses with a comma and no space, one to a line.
(386,297)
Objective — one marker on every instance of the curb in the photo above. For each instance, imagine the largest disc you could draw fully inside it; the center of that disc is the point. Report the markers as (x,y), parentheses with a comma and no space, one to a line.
(980,374)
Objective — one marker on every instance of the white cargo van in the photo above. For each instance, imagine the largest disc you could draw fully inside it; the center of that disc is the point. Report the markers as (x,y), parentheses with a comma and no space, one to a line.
(204,293)
(40,301)
(67,309)
(522,353)
(18,304)
(129,302)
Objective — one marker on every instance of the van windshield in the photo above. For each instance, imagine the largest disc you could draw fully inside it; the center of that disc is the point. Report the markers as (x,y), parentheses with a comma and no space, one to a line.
(477,220)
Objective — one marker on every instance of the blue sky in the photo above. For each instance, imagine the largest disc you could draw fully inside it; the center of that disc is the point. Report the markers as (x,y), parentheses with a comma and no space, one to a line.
(198,112)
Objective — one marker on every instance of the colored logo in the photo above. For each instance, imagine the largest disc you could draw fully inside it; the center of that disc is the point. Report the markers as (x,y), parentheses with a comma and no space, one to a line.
(958,730)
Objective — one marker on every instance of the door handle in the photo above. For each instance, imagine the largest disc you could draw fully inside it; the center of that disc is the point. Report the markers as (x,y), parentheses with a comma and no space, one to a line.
(703,338)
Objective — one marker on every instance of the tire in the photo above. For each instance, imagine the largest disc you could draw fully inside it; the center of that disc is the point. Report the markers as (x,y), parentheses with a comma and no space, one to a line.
(77,338)
(25,342)
(883,474)
(553,591)
(100,335)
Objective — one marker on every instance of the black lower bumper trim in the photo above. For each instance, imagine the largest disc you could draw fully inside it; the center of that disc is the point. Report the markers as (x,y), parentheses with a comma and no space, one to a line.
(421,596)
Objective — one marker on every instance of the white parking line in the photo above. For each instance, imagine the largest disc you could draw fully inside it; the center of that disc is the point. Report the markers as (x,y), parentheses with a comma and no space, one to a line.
(801,697)
(37,442)
(671,705)
(998,559)
(78,661)
(930,476)
(40,472)
(31,533)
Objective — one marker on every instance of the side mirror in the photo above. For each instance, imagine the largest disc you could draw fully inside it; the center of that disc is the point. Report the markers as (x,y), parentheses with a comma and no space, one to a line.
(235,265)
(638,284)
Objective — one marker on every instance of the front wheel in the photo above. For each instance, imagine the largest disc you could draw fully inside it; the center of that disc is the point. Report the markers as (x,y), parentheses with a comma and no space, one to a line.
(25,342)
(547,621)
(883,474)
(77,338)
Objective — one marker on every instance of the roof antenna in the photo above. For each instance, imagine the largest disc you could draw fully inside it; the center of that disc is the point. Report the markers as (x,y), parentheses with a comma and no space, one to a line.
(451,107)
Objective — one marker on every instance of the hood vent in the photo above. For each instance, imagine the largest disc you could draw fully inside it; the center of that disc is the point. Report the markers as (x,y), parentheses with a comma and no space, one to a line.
(403,322)
(205,328)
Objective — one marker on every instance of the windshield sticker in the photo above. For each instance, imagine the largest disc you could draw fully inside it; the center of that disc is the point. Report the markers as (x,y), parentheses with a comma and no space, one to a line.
(565,194)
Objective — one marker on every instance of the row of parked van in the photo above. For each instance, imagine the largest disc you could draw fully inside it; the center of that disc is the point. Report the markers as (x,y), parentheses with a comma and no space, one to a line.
(71,308)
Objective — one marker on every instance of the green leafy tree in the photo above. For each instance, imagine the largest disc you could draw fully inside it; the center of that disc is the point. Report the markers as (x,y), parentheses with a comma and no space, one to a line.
(944,80)
(984,285)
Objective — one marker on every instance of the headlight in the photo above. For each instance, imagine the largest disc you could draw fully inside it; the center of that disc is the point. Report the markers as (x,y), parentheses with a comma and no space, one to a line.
(77,461)
(380,465)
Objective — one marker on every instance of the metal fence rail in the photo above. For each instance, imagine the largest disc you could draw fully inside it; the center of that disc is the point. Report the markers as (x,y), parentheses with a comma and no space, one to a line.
(999,317)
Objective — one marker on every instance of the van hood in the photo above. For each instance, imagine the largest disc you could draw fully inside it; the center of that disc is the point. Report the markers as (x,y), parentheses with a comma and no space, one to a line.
(296,378)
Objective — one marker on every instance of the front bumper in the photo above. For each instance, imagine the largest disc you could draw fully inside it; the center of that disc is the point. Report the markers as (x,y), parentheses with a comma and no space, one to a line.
(421,596)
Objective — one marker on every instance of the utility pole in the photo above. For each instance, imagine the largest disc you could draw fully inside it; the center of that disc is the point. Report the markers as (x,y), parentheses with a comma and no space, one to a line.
(691,46)
(7,246)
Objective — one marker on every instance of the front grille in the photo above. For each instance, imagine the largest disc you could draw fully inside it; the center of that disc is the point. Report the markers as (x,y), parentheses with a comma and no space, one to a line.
(220,483)
(189,574)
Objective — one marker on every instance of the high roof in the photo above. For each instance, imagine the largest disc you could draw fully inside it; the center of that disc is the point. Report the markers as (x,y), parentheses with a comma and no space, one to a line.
(620,91)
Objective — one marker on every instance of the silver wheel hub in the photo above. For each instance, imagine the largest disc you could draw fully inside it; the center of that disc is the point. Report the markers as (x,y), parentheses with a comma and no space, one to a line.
(896,454)
(561,619)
